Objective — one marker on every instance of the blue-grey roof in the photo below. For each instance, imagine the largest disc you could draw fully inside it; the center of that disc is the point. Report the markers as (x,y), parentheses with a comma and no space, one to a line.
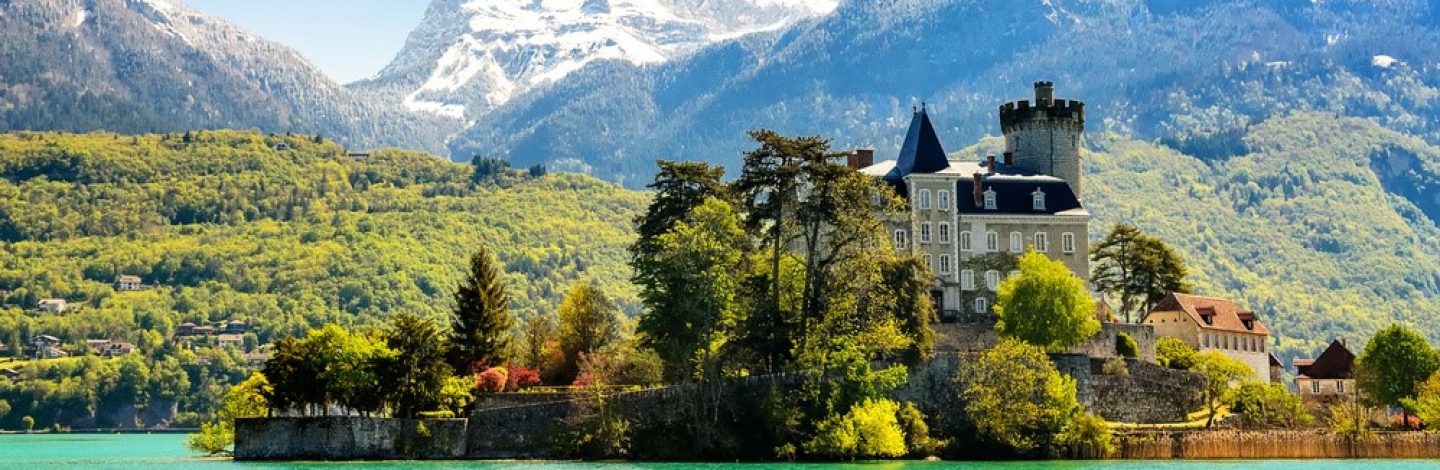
(1014,195)
(921,152)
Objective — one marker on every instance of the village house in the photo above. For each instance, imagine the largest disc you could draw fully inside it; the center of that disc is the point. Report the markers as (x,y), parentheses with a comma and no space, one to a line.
(1326,379)
(1214,324)
(46,347)
(10,374)
(964,215)
(230,341)
(52,305)
(128,283)
(109,348)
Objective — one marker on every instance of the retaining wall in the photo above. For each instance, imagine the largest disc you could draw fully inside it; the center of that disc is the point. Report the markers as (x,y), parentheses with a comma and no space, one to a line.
(349,438)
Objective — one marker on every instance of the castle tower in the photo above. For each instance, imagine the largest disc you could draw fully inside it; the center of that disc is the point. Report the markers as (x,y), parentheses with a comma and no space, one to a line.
(1045,136)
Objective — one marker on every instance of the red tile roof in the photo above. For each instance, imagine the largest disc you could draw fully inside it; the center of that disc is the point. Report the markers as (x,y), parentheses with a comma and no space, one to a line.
(1213,313)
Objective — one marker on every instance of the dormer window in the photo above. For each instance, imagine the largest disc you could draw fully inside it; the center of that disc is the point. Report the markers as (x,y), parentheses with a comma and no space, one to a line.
(989,199)
(1038,199)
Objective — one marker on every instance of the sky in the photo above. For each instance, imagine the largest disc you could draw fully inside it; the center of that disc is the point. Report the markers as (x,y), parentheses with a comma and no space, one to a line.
(347,39)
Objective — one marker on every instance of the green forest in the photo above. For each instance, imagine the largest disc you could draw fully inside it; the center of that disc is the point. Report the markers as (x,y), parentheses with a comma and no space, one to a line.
(282,232)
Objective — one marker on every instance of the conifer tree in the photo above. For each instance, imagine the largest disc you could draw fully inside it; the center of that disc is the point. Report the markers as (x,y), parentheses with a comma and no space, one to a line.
(480,328)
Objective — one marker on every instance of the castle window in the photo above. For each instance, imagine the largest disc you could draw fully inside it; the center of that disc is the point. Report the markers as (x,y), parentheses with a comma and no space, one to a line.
(1042,242)
(900,239)
(964,241)
(981,305)
(992,242)
(944,264)
(1038,199)
(1017,242)
(992,280)
(924,199)
(1315,387)
(967,280)
(944,232)
(942,200)
(1067,243)
(989,199)
(924,232)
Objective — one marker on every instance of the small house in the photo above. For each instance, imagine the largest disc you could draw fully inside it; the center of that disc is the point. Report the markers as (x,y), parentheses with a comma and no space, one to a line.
(52,305)
(230,341)
(1327,379)
(128,283)
(236,327)
(1214,324)
(202,330)
(185,329)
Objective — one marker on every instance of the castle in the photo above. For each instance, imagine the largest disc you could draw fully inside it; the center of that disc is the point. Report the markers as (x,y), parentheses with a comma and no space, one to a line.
(969,219)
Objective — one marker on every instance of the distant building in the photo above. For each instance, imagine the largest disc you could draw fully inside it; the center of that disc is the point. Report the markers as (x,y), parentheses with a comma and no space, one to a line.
(235,327)
(52,305)
(109,348)
(1326,379)
(128,283)
(185,329)
(1214,324)
(230,341)
(1277,370)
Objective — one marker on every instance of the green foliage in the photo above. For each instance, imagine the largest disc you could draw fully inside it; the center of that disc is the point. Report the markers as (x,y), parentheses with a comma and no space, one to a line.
(1085,435)
(213,439)
(1045,305)
(456,394)
(594,429)
(1269,406)
(330,365)
(588,322)
(1393,365)
(245,400)
(415,379)
(1139,269)
(488,169)
(28,422)
(1426,403)
(1115,366)
(1221,373)
(1350,419)
(1174,353)
(870,430)
(480,327)
(1125,345)
(917,432)
(1015,397)
(4,409)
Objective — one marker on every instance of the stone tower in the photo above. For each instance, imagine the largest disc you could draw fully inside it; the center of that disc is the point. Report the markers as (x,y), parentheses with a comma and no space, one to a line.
(1044,137)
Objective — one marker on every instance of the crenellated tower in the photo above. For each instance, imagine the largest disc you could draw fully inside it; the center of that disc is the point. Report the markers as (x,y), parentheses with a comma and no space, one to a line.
(1045,136)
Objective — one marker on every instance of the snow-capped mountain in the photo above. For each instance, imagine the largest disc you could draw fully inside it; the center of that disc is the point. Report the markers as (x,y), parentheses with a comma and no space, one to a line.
(160,66)
(470,56)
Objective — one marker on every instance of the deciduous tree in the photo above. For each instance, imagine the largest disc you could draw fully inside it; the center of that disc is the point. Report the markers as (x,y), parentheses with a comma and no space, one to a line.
(588,321)
(414,379)
(1221,374)
(1045,305)
(1394,363)
(1015,397)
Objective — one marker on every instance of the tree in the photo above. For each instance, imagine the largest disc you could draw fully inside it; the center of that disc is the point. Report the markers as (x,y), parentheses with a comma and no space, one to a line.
(1426,403)
(1125,345)
(536,337)
(245,400)
(1015,397)
(1045,305)
(480,327)
(679,188)
(28,422)
(693,278)
(768,190)
(1139,269)
(588,321)
(4,409)
(1220,373)
(1392,366)
(1349,418)
(1174,353)
(1269,405)
(487,169)
(416,377)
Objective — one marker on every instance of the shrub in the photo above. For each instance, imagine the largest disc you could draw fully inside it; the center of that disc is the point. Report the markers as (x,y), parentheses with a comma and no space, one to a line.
(1350,419)
(522,378)
(1125,345)
(1268,405)
(1426,403)
(1115,366)
(1174,353)
(917,432)
(492,380)
(1015,397)
(869,430)
(1085,435)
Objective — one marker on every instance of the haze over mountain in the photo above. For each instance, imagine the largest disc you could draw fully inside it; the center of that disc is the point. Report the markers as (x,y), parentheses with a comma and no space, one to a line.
(470,56)
(160,66)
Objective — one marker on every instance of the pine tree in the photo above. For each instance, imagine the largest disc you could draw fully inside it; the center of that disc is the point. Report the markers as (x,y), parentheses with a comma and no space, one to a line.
(480,329)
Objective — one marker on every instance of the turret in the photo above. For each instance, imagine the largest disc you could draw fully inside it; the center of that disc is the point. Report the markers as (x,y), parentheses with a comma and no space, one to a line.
(1045,137)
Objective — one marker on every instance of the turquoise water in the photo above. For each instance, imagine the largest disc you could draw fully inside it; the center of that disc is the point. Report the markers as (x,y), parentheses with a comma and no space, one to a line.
(166,451)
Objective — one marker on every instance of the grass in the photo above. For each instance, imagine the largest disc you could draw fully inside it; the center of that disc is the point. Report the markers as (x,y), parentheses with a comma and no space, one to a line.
(1196,420)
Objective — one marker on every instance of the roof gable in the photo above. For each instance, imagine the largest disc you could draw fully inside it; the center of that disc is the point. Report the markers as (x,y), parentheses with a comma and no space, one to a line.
(1337,362)
(921,152)
(1213,313)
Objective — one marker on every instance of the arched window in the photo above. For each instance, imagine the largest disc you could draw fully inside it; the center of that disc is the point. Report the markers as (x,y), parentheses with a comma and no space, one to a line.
(964,241)
(1017,242)
(942,200)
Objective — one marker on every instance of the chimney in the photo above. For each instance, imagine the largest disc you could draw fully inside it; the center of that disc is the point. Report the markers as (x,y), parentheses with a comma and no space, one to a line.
(990,164)
(1044,93)
(975,192)
(1009,159)
(861,158)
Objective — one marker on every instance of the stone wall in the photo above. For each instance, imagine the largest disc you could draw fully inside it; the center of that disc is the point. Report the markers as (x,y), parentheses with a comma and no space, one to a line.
(1227,444)
(1150,394)
(348,438)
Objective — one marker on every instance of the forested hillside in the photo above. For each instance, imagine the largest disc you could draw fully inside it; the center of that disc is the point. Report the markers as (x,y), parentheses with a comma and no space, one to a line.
(226,227)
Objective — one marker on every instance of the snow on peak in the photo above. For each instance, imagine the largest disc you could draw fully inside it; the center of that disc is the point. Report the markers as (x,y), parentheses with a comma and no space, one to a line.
(506,47)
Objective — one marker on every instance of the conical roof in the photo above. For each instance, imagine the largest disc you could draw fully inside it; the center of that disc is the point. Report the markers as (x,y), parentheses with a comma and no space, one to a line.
(922,152)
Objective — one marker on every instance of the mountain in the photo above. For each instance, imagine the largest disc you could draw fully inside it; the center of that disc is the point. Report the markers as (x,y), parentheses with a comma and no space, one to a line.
(470,56)
(158,66)
(1195,74)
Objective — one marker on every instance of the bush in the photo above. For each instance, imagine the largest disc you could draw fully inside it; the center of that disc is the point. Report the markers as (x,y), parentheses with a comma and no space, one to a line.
(1115,366)
(522,378)
(1015,397)
(213,439)
(492,380)
(1084,435)
(917,432)
(1269,406)
(1350,420)
(1174,353)
(869,430)
(1125,345)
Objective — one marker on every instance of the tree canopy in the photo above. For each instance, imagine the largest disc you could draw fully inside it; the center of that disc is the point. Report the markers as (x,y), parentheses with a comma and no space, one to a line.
(1138,268)
(1045,305)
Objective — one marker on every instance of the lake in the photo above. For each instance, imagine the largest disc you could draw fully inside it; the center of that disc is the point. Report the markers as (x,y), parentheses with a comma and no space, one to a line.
(167,451)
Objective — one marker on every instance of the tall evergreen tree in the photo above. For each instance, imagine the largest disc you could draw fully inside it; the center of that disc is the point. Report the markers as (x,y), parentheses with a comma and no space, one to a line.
(1138,268)
(480,327)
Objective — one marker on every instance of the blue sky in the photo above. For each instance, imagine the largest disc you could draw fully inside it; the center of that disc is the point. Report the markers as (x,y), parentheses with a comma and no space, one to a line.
(348,39)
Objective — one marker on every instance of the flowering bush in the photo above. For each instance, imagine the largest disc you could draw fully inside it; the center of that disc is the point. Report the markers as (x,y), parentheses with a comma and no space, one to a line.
(522,378)
(492,380)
